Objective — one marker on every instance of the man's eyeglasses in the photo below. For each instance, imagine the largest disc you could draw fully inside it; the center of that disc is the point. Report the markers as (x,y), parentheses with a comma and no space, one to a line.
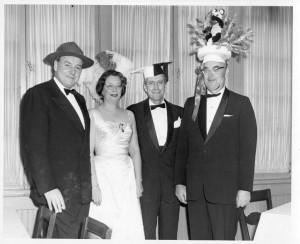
(213,69)
(111,87)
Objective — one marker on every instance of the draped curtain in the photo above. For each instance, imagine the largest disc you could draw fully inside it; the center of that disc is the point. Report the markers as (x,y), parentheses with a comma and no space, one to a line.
(46,27)
(266,76)
(141,33)
(268,83)
(14,76)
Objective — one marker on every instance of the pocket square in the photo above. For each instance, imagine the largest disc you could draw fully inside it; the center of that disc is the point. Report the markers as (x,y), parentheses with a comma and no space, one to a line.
(177,123)
(228,115)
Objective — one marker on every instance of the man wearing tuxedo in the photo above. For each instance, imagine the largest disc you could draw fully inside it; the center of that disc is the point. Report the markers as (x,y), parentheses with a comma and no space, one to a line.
(158,123)
(215,155)
(55,129)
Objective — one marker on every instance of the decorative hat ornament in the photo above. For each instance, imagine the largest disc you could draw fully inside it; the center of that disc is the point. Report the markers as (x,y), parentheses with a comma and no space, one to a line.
(105,60)
(154,70)
(216,38)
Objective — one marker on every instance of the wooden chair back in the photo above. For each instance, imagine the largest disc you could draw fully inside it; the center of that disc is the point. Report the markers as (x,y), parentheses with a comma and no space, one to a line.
(254,217)
(44,224)
(94,229)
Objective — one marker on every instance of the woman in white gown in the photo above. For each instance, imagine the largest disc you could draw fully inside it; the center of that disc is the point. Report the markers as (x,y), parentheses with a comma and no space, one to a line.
(116,162)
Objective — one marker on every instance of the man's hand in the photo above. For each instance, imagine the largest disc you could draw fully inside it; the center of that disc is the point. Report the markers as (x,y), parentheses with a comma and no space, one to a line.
(55,199)
(242,198)
(139,188)
(96,195)
(180,193)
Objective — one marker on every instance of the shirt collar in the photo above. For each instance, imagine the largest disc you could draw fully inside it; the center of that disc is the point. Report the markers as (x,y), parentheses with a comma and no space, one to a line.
(151,103)
(221,91)
(60,86)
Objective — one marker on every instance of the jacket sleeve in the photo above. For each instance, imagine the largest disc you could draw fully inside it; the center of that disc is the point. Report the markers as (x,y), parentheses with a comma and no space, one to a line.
(247,141)
(34,137)
(182,147)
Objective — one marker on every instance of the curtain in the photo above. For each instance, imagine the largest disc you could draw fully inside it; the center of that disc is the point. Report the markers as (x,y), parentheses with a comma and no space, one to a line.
(265,76)
(268,83)
(38,29)
(14,76)
(142,34)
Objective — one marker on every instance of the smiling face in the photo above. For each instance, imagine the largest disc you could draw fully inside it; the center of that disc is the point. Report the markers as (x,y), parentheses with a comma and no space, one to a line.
(155,88)
(67,70)
(112,89)
(214,75)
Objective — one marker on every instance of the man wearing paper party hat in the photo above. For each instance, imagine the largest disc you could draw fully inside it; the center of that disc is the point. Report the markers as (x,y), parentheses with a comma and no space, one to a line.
(158,123)
(215,155)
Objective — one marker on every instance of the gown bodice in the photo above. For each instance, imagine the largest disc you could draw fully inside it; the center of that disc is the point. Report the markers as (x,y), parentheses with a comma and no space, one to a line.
(111,138)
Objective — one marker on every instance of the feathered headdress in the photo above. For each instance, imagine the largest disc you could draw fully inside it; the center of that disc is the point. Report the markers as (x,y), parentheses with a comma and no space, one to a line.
(105,60)
(232,39)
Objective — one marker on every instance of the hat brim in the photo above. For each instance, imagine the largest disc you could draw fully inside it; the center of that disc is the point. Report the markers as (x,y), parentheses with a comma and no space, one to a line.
(220,51)
(87,62)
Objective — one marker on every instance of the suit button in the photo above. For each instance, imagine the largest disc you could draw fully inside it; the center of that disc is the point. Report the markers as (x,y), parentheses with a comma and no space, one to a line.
(204,151)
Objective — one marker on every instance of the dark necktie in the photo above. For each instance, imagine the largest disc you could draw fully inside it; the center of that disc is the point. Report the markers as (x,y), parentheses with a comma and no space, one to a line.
(163,105)
(212,95)
(202,117)
(67,91)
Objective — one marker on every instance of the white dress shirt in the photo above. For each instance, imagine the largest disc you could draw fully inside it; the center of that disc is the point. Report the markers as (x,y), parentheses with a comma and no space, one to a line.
(212,105)
(160,120)
(72,100)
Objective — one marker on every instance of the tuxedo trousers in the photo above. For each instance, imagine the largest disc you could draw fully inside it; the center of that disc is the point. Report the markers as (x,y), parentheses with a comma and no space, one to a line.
(163,213)
(212,221)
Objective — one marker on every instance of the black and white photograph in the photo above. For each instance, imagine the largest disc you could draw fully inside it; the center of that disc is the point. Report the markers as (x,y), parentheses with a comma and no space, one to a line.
(150,121)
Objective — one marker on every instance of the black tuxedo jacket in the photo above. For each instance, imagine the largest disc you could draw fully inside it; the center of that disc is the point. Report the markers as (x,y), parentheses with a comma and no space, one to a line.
(55,144)
(157,166)
(223,163)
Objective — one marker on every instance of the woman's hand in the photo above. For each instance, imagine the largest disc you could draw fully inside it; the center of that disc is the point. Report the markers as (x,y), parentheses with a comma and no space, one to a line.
(139,187)
(96,195)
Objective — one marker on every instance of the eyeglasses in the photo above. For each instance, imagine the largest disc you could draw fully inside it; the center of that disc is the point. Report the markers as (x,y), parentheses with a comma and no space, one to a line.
(214,69)
(111,87)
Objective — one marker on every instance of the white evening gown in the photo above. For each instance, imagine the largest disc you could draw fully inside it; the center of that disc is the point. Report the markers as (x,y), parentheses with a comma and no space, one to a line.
(120,207)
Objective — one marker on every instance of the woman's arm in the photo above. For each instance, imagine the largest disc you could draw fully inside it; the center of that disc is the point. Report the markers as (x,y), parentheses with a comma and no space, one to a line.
(96,192)
(134,151)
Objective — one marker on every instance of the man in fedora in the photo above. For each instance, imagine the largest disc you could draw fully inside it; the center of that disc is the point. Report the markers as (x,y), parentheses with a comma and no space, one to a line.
(55,129)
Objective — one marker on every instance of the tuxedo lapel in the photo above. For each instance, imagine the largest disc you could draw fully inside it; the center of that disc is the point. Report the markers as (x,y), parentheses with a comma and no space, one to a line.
(170,116)
(66,106)
(150,124)
(219,115)
(86,117)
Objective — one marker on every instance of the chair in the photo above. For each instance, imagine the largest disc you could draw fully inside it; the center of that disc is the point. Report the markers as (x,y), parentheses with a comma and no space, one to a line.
(44,224)
(94,229)
(253,218)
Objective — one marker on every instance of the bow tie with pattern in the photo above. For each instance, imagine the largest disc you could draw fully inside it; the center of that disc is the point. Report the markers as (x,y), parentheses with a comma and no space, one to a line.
(67,91)
(212,95)
(163,105)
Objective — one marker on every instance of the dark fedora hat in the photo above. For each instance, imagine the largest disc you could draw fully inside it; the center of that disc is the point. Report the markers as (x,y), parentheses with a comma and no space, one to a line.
(69,49)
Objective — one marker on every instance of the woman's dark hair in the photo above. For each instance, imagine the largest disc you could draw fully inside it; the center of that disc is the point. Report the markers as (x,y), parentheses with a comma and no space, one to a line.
(103,78)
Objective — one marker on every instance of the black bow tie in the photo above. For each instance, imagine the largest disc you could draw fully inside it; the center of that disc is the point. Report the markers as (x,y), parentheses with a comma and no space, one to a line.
(67,91)
(163,105)
(212,95)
